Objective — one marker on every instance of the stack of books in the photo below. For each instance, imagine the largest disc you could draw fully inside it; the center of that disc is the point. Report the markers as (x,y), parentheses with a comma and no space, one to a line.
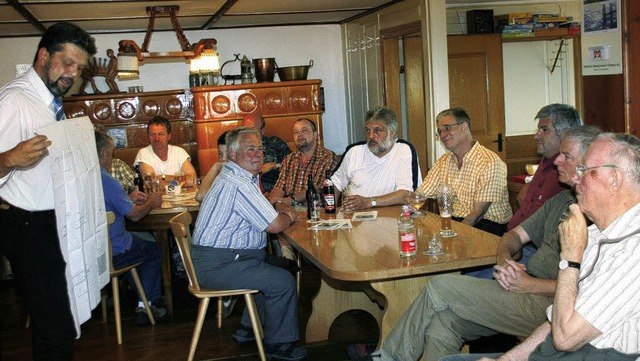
(528,25)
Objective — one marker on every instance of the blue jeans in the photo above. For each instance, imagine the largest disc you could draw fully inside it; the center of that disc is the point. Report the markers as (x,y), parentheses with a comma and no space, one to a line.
(150,276)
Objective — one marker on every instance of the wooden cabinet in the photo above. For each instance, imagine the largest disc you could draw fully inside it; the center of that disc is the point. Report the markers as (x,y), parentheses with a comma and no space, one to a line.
(126,115)
(221,108)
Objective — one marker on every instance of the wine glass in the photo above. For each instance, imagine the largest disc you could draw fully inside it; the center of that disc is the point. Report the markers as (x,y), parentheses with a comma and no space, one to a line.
(416,201)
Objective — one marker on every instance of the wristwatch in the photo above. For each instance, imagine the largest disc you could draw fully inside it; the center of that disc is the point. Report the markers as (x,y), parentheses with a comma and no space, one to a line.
(373,202)
(564,264)
(294,202)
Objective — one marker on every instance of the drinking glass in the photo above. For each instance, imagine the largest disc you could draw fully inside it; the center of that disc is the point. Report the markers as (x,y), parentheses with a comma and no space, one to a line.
(416,201)
(346,213)
(446,198)
(434,246)
(314,208)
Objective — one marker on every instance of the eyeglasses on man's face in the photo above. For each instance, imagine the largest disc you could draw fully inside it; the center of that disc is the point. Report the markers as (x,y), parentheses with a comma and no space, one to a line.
(581,169)
(447,127)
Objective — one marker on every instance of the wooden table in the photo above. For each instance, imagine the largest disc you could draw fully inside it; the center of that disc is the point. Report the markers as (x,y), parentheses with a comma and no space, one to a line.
(362,269)
(157,221)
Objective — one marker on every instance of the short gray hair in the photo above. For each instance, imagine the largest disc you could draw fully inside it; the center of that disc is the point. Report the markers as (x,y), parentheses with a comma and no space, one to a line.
(103,139)
(626,153)
(233,136)
(562,116)
(584,135)
(384,115)
(459,114)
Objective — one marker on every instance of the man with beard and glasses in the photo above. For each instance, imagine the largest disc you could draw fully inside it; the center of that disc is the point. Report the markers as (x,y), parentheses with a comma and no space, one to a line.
(477,175)
(381,170)
(28,231)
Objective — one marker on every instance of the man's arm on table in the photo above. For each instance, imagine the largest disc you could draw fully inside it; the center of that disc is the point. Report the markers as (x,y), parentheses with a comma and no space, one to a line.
(140,210)
(286,216)
(476,214)
(357,202)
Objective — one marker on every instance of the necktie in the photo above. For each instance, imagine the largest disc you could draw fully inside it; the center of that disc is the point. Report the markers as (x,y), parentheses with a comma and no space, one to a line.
(57,108)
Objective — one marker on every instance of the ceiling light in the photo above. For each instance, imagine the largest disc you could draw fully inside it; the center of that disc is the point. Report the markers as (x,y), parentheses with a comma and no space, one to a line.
(130,54)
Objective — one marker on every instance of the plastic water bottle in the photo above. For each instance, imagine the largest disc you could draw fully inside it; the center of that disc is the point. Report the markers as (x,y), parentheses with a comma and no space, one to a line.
(406,233)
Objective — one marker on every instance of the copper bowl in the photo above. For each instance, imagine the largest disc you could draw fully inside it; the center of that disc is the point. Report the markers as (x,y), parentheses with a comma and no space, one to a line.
(299,72)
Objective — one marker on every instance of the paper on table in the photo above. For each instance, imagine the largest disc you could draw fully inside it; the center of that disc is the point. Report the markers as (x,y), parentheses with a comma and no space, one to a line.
(365,216)
(330,224)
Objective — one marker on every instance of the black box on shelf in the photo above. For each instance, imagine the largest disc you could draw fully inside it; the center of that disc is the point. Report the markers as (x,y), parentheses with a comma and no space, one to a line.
(479,21)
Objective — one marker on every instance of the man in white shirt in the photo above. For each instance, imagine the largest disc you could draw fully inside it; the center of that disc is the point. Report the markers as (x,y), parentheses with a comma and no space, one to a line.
(28,231)
(162,159)
(380,171)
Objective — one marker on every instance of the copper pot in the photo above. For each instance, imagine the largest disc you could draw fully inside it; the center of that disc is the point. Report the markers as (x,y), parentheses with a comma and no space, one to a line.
(289,73)
(265,69)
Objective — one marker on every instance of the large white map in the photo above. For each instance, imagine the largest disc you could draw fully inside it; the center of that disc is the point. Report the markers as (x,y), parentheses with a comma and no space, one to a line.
(80,212)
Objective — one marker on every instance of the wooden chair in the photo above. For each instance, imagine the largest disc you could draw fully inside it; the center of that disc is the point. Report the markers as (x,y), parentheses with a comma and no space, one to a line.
(180,228)
(115,273)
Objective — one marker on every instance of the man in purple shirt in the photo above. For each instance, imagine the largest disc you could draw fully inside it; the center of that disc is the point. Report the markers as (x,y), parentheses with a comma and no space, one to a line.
(553,119)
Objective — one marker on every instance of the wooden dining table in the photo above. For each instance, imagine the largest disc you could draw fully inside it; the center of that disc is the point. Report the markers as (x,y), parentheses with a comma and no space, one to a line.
(362,268)
(157,221)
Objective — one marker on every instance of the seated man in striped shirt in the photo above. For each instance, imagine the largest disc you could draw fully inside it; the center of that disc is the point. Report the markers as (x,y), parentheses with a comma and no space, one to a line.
(229,243)
(476,174)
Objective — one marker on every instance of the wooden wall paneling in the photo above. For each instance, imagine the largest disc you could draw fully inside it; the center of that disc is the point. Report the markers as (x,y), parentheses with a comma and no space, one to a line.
(132,112)
(521,150)
(281,104)
(604,102)
(631,39)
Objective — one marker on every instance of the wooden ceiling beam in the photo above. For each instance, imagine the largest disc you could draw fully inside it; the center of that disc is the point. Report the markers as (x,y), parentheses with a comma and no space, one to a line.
(214,18)
(26,14)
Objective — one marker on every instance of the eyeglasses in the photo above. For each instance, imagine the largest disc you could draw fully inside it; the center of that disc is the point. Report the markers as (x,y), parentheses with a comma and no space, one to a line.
(252,149)
(581,170)
(447,127)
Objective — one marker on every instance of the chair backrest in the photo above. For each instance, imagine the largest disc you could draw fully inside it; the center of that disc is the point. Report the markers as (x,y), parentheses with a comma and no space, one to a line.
(180,228)
(111,217)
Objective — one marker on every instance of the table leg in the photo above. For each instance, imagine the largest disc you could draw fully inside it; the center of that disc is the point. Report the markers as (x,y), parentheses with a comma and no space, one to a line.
(163,241)
(333,299)
(400,294)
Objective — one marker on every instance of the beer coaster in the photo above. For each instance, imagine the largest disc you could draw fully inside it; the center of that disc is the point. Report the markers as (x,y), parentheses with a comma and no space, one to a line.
(448,236)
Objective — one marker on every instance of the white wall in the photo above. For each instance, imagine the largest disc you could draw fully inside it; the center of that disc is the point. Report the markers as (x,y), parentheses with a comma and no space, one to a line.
(290,45)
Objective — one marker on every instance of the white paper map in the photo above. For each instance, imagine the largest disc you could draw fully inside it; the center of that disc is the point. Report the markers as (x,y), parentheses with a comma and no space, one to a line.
(80,212)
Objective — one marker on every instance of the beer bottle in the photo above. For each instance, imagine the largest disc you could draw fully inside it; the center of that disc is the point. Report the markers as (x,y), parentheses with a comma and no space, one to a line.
(329,194)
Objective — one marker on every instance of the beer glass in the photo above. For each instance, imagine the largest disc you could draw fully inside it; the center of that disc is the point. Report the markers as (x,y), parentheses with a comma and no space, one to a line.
(446,198)
(346,213)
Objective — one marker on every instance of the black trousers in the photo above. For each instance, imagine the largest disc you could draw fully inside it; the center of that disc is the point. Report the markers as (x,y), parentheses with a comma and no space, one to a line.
(30,242)
(487,226)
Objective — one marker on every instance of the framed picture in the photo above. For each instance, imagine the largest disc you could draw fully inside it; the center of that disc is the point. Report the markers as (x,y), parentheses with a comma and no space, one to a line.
(119,135)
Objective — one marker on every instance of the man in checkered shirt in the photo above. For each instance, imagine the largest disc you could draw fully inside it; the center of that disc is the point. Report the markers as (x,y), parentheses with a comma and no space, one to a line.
(476,174)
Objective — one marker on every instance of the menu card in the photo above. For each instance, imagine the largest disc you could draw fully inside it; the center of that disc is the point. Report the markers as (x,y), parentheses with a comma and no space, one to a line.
(365,216)
(331,224)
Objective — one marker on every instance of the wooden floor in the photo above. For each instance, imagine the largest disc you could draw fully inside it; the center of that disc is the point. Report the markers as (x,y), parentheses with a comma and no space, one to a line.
(170,339)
